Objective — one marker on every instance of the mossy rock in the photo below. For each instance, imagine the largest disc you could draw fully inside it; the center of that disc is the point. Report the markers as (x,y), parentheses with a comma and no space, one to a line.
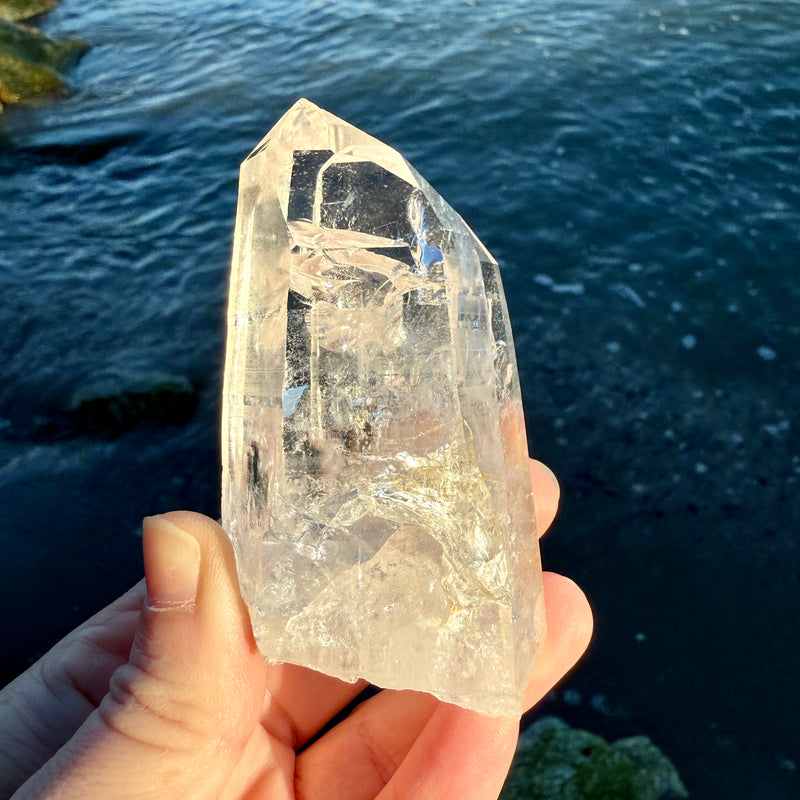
(16,10)
(32,63)
(557,762)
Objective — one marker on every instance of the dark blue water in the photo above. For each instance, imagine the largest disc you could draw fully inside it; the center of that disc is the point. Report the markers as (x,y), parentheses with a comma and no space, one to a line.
(635,168)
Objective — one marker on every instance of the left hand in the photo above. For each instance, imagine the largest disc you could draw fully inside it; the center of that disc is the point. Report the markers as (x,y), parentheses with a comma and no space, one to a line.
(163,694)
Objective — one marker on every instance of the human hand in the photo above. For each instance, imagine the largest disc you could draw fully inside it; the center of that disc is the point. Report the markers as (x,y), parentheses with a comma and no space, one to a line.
(164,695)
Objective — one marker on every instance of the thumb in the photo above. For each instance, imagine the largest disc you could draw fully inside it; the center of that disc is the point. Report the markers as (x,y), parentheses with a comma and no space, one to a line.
(180,712)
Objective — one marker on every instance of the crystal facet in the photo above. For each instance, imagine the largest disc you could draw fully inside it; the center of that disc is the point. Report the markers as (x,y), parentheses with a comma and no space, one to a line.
(375,477)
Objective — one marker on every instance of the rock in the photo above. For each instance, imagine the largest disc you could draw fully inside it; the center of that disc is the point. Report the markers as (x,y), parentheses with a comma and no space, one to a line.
(31,63)
(557,762)
(115,404)
(16,10)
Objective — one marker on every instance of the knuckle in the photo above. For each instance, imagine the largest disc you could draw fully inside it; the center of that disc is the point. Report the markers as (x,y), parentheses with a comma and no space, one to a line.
(151,710)
(185,713)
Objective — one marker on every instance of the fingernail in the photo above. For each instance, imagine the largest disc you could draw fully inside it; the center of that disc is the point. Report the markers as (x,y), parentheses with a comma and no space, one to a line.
(171,564)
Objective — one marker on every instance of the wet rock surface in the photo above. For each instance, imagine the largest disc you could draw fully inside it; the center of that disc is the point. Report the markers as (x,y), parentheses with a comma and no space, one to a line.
(104,406)
(111,407)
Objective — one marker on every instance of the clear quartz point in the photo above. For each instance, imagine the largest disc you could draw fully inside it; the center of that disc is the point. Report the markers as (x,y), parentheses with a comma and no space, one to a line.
(375,475)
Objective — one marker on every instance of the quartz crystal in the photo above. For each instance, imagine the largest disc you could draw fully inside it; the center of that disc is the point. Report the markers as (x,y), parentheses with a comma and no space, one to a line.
(375,477)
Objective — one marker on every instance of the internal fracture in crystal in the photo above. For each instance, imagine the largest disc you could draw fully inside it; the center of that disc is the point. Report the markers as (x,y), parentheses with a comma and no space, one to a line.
(375,478)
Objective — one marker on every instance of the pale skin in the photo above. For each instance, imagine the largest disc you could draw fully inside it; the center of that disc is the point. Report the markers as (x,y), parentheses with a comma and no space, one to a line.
(163,695)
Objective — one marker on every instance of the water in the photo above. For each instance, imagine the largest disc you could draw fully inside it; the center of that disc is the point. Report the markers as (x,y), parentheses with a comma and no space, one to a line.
(636,170)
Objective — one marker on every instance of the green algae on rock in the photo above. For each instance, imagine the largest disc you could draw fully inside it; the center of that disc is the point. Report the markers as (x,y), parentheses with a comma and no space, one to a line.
(557,762)
(30,62)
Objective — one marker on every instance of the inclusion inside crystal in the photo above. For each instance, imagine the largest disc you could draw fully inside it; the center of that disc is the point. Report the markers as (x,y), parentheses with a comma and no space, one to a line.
(375,478)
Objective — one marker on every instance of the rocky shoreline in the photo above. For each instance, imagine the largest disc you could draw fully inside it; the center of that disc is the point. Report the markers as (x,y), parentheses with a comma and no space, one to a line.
(555,761)
(31,63)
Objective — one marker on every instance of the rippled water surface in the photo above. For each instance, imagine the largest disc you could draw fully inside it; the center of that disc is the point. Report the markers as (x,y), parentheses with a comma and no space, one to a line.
(634,166)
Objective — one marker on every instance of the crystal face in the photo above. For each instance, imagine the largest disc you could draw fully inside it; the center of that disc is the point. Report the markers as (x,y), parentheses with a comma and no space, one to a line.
(375,477)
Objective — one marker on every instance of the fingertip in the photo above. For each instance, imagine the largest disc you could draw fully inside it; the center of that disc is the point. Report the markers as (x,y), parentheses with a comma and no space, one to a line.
(568,609)
(546,494)
(214,542)
(540,467)
(201,527)
(569,630)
